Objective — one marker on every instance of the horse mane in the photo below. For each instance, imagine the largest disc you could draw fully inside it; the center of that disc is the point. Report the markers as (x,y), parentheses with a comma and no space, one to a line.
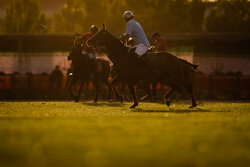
(116,40)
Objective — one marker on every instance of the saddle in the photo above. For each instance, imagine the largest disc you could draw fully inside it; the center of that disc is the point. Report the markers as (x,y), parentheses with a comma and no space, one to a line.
(131,51)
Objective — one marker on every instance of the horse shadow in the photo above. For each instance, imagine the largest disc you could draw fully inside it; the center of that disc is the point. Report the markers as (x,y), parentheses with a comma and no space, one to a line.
(170,110)
(104,104)
(167,110)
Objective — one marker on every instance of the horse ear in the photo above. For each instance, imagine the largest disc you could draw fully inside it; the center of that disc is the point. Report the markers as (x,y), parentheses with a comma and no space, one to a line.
(104,26)
(77,34)
(76,42)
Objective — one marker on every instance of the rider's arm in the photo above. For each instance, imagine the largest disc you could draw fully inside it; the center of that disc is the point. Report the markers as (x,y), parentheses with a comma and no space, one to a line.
(127,36)
(129,30)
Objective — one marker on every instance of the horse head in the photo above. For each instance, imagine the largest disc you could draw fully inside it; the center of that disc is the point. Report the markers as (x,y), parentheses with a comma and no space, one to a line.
(114,48)
(76,49)
(104,38)
(99,39)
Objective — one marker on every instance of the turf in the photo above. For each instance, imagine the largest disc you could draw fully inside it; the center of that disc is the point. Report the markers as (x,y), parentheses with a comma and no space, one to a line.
(110,134)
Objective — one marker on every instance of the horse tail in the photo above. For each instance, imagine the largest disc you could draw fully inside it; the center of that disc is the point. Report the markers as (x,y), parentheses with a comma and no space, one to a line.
(194,66)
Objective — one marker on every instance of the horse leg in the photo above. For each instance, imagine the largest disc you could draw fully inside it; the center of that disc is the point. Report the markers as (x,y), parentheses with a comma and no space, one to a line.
(109,93)
(193,101)
(189,89)
(115,81)
(124,90)
(117,95)
(150,93)
(68,82)
(154,84)
(109,89)
(70,88)
(132,91)
(70,91)
(168,95)
(146,87)
(79,93)
(96,83)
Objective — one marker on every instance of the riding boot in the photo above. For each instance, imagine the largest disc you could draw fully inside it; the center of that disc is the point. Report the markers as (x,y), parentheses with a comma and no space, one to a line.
(132,54)
(131,50)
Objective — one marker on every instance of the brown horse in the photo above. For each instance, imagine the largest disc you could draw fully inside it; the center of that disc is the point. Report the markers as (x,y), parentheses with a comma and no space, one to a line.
(160,67)
(85,70)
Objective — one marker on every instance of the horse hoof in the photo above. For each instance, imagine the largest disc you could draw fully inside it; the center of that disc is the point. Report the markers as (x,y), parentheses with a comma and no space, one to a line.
(191,106)
(167,102)
(133,106)
(121,99)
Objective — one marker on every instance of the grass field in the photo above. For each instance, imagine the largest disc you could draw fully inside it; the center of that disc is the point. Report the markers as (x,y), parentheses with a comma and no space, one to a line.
(67,134)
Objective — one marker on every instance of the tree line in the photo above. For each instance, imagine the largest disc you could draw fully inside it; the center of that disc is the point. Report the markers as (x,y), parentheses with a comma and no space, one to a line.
(165,16)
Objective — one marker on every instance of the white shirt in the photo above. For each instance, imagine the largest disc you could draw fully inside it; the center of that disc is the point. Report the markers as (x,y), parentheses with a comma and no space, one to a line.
(134,29)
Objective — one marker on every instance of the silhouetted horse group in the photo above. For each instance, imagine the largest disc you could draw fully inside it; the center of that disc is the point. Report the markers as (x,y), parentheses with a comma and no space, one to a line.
(84,70)
(160,67)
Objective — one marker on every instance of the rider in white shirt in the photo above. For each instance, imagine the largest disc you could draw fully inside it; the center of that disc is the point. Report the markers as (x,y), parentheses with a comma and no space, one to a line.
(134,30)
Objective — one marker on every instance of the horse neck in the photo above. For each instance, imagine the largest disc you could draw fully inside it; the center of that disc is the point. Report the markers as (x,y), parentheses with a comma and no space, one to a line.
(80,61)
(117,52)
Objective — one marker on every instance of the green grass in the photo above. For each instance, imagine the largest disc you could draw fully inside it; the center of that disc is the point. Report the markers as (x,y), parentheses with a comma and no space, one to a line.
(110,134)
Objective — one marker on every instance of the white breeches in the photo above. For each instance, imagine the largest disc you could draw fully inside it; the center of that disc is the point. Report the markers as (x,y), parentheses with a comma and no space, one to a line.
(141,49)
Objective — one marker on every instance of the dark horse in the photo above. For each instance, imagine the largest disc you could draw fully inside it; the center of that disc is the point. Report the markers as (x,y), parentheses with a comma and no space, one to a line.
(160,67)
(85,70)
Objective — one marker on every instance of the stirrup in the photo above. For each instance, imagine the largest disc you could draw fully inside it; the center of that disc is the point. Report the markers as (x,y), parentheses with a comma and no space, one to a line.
(150,49)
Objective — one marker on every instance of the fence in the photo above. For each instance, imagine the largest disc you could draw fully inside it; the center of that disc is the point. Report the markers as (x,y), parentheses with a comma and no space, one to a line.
(222,87)
(202,43)
(206,86)
(40,86)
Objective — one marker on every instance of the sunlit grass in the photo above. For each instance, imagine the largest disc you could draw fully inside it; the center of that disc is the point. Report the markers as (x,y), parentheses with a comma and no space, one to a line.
(111,134)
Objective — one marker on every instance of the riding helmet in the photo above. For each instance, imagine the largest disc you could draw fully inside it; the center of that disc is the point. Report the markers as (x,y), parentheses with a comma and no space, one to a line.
(128,14)
(94,29)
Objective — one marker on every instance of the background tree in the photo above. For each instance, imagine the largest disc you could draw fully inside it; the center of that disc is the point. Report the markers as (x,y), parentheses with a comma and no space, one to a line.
(230,16)
(79,15)
(164,16)
(70,18)
(114,16)
(24,16)
(196,11)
